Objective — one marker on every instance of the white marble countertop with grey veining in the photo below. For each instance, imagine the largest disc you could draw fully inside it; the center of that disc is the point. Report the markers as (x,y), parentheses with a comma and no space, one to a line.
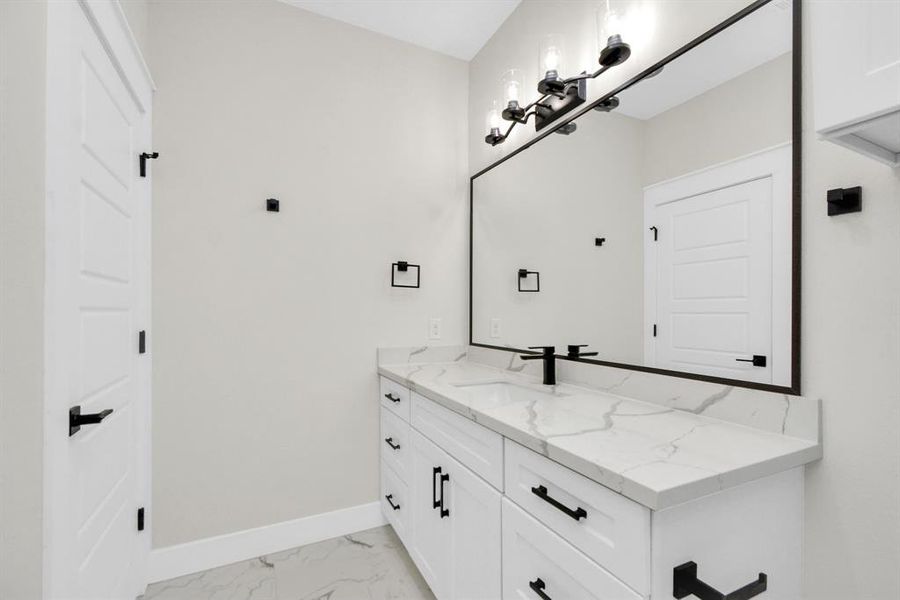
(655,455)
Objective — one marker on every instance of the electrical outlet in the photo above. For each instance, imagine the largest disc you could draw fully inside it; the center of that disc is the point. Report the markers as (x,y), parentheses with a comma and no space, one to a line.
(495,327)
(434,329)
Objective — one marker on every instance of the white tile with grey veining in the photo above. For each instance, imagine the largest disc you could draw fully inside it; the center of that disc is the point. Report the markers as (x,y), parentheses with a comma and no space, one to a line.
(370,564)
(658,454)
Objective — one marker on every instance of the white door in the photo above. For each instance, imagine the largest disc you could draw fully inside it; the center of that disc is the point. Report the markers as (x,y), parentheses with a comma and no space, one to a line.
(474,515)
(97,302)
(430,530)
(718,264)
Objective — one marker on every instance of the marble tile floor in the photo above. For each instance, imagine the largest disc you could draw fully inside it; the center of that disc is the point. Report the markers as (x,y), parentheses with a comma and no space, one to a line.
(368,565)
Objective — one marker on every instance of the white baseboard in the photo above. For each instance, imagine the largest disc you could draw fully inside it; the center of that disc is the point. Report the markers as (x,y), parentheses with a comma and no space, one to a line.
(208,553)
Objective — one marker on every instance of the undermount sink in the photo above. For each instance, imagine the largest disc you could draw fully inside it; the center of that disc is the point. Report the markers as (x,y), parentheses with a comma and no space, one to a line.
(503,392)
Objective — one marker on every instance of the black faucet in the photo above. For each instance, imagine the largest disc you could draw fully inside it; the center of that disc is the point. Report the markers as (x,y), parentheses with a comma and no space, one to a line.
(575,351)
(549,359)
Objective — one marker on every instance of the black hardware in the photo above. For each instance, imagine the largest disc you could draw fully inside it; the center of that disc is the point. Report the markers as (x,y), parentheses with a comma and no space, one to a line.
(758,360)
(435,502)
(273,205)
(574,351)
(140,519)
(599,241)
(523,275)
(392,397)
(549,357)
(142,342)
(144,156)
(76,419)
(654,330)
(537,586)
(402,266)
(552,107)
(844,200)
(608,105)
(685,583)
(655,233)
(390,442)
(394,506)
(541,492)
(567,129)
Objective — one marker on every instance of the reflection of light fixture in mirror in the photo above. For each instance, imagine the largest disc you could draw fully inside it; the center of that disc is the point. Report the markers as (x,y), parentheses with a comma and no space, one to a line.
(493,125)
(567,129)
(608,105)
(512,87)
(551,55)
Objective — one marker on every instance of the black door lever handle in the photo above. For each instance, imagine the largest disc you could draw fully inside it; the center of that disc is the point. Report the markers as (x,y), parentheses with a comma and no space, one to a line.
(76,419)
(758,360)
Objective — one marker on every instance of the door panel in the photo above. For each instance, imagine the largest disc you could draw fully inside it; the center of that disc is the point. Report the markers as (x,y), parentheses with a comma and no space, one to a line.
(714,281)
(98,281)
(431,533)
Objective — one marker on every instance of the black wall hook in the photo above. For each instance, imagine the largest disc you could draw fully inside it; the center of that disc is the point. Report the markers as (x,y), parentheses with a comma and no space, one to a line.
(844,200)
(144,156)
(685,583)
(273,205)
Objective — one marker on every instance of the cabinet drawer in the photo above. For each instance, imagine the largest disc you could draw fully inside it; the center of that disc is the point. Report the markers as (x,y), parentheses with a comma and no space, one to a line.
(475,446)
(395,398)
(395,449)
(395,502)
(609,528)
(535,557)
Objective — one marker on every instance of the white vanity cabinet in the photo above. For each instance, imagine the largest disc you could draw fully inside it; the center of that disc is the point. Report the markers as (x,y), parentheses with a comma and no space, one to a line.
(856,75)
(484,517)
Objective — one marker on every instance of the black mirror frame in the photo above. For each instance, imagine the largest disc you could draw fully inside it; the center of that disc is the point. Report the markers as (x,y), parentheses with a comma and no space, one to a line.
(796,176)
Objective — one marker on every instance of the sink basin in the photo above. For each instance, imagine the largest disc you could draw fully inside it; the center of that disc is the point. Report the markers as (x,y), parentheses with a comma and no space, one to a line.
(502,392)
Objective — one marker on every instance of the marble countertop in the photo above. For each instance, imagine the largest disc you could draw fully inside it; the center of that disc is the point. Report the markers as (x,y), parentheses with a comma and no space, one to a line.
(656,456)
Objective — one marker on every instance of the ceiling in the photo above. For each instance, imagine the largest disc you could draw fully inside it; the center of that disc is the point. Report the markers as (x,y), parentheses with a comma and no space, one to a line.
(458,28)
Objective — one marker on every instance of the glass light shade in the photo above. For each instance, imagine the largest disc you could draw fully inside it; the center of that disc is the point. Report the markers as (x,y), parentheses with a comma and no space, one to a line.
(632,20)
(511,83)
(551,54)
(610,22)
(493,116)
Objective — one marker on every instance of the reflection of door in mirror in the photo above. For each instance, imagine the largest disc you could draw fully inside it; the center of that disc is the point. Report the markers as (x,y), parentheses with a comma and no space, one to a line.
(713,292)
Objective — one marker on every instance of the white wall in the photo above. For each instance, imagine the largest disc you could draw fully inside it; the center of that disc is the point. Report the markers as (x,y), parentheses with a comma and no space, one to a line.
(23,40)
(265,325)
(850,312)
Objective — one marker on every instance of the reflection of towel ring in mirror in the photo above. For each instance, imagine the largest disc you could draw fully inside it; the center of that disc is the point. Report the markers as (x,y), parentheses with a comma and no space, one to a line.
(523,274)
(403,266)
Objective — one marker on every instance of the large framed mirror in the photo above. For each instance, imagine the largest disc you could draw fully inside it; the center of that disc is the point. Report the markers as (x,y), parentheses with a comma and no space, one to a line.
(662,233)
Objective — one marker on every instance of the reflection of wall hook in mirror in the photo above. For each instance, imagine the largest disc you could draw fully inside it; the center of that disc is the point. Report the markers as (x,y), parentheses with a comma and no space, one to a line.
(523,275)
(402,266)
(599,241)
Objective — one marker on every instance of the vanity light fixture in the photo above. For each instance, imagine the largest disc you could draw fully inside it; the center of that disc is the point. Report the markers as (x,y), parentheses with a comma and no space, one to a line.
(558,96)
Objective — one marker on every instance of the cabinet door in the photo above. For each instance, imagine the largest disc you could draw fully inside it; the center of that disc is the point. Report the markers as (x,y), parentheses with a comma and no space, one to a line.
(456,544)
(474,515)
(431,533)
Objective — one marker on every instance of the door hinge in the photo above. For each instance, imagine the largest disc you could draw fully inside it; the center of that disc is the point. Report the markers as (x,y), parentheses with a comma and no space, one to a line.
(654,330)
(142,342)
(140,519)
(655,233)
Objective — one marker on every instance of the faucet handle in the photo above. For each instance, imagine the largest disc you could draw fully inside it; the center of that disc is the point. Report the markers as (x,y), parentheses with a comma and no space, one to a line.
(548,350)
(575,351)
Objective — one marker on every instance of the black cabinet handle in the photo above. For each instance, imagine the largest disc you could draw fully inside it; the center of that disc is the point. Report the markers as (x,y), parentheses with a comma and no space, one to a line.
(537,586)
(685,583)
(541,492)
(394,506)
(435,502)
(390,442)
(391,397)
(76,419)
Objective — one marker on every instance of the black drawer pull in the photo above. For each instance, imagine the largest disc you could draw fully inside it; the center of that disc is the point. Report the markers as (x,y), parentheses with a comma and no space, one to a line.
(394,506)
(435,502)
(541,492)
(537,586)
(685,583)
(390,442)
(392,397)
